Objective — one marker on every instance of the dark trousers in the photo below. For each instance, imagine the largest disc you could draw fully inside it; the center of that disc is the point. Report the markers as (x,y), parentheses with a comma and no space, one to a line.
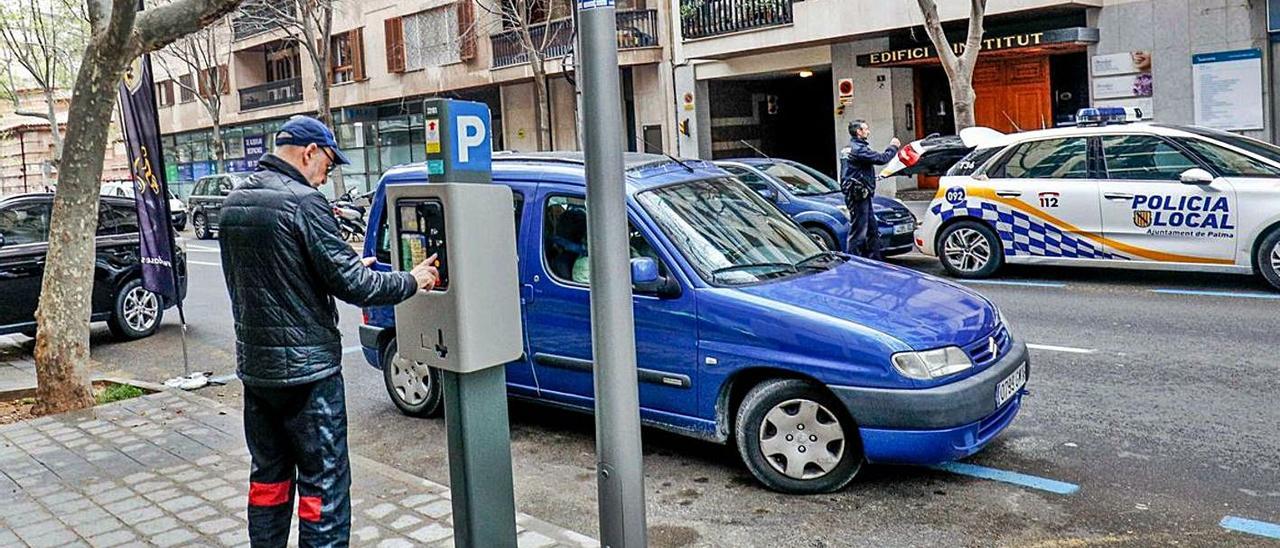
(864,233)
(297,436)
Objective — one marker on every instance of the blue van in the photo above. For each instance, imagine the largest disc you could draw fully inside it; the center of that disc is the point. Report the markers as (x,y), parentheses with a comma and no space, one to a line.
(814,200)
(812,362)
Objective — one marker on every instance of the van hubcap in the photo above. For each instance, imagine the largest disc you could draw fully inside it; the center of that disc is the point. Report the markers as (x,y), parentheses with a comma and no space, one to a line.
(1275,258)
(802,439)
(967,250)
(412,380)
(140,309)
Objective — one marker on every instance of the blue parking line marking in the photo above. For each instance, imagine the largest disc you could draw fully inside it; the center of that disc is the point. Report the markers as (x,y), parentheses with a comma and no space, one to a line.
(1202,293)
(1016,478)
(1251,526)
(1057,285)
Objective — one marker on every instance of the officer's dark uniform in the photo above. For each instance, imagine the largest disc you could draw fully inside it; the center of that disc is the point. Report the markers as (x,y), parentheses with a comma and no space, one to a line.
(284,263)
(859,162)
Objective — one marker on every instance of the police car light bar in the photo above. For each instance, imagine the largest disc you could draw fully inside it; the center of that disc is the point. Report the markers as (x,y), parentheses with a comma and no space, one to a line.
(1101,116)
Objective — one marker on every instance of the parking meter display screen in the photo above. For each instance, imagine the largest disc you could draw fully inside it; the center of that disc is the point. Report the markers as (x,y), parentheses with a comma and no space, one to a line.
(422,235)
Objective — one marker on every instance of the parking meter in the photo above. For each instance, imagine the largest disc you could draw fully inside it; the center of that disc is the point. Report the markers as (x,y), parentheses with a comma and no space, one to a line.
(469,325)
(471,320)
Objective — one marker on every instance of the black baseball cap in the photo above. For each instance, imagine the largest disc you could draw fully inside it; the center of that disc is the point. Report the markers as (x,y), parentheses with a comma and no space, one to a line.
(305,130)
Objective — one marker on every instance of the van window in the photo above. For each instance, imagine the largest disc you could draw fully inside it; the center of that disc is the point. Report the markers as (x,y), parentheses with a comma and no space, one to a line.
(564,241)
(382,251)
(1047,159)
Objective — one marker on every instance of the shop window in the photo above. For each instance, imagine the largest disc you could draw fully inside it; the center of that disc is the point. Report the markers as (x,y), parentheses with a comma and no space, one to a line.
(346,57)
(1047,159)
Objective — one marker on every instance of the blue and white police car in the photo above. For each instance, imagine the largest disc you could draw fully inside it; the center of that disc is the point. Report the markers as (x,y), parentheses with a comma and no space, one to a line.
(1107,193)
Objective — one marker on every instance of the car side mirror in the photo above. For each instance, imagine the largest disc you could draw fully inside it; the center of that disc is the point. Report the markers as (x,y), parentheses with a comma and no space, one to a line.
(1196,176)
(645,278)
(1,239)
(224,191)
(769,194)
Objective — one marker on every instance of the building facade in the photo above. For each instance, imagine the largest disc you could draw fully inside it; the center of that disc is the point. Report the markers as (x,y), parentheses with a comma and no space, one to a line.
(26,146)
(391,55)
(767,74)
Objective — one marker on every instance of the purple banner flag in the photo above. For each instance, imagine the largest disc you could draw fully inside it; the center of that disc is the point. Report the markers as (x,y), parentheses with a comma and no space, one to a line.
(151,191)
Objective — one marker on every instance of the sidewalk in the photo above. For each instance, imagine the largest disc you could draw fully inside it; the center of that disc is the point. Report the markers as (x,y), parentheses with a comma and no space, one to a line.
(171,469)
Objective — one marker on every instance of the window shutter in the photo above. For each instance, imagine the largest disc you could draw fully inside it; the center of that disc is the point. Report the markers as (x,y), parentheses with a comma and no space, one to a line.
(466,32)
(224,80)
(357,53)
(395,44)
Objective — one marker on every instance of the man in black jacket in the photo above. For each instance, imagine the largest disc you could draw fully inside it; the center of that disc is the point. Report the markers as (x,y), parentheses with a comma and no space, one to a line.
(284,264)
(858,181)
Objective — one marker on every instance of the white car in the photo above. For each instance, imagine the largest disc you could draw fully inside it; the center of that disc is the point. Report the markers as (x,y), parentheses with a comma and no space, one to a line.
(177,209)
(1127,195)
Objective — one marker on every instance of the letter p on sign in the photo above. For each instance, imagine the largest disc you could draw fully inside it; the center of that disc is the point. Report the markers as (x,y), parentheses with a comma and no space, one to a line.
(471,134)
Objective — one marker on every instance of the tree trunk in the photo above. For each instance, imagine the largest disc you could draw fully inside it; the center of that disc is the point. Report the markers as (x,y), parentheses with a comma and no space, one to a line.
(55,132)
(62,339)
(219,147)
(541,124)
(962,101)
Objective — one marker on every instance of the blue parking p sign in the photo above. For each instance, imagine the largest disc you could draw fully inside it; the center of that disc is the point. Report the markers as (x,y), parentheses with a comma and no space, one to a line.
(459,141)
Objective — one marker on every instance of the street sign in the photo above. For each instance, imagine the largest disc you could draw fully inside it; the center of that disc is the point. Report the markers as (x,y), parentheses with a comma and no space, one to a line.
(845,87)
(459,141)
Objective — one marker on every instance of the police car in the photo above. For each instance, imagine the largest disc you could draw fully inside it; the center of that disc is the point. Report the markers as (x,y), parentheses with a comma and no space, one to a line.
(1108,192)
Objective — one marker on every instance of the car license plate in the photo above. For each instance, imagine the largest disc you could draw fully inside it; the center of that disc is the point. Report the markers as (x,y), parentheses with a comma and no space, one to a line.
(1011,385)
(903,228)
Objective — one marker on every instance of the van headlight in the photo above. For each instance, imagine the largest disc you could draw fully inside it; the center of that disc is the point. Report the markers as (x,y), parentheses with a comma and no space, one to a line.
(932,364)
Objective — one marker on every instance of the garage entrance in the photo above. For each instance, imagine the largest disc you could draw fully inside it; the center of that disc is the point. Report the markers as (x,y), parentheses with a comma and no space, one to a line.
(785,115)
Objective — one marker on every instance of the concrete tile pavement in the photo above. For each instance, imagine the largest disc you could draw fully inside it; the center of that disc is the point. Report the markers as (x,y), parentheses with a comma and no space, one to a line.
(171,469)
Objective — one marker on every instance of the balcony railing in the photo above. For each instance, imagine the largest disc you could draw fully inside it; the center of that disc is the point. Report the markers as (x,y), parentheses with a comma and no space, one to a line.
(270,94)
(636,29)
(704,18)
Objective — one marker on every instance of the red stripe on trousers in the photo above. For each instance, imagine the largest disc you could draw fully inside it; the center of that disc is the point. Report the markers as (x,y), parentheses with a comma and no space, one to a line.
(309,509)
(269,494)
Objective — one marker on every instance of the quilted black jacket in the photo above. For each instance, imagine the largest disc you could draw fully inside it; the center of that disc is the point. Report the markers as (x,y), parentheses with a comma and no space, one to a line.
(284,263)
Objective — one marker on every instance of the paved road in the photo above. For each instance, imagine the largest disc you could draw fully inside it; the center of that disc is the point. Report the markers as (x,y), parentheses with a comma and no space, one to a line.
(1159,407)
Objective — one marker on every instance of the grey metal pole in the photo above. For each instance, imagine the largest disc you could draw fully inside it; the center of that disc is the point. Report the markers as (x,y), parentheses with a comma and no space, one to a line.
(620,466)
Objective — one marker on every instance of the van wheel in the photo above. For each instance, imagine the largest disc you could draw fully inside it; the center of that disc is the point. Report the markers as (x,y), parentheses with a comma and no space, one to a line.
(1268,258)
(200,227)
(137,312)
(796,438)
(413,387)
(969,249)
(824,238)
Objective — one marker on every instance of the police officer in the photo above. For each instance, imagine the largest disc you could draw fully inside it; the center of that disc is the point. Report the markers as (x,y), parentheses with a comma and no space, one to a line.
(284,264)
(858,181)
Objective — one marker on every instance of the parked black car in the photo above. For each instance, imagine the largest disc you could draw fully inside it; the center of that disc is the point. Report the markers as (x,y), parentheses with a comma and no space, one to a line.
(118,296)
(205,203)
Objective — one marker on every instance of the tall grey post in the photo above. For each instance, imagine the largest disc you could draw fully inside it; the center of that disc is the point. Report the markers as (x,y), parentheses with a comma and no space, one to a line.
(620,468)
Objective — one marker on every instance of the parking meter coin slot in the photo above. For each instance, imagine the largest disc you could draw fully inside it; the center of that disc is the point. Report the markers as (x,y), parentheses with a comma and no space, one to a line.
(422,234)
